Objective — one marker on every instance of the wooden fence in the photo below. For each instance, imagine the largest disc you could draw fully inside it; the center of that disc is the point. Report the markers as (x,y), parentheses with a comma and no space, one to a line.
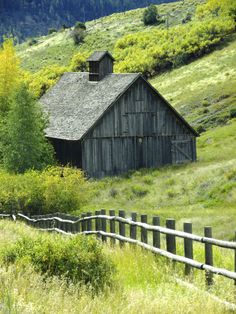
(97,224)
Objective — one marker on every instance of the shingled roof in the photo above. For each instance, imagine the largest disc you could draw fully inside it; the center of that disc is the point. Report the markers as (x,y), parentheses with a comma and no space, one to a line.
(98,55)
(74,104)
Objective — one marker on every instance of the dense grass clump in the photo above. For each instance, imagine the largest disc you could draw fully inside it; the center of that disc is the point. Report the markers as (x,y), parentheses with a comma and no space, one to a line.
(77,259)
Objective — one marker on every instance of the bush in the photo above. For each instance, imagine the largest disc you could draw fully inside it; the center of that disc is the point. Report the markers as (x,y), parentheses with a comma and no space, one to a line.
(150,15)
(79,63)
(42,80)
(51,31)
(53,190)
(78,259)
(80,25)
(156,50)
(78,35)
(232,113)
(32,42)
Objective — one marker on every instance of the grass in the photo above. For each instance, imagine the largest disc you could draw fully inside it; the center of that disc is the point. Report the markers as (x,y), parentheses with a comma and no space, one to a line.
(204,91)
(102,34)
(149,289)
(203,192)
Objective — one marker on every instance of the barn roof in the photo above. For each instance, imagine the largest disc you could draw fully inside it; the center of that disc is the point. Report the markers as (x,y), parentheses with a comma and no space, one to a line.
(74,104)
(98,55)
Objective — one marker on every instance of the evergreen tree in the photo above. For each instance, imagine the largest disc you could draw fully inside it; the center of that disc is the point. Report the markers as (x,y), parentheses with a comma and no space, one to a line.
(150,15)
(25,146)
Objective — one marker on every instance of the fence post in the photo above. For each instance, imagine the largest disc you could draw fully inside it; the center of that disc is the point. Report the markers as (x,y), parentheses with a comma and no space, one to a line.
(122,226)
(235,259)
(112,226)
(208,255)
(133,229)
(188,247)
(156,234)
(77,225)
(89,222)
(170,239)
(143,230)
(83,223)
(98,223)
(104,225)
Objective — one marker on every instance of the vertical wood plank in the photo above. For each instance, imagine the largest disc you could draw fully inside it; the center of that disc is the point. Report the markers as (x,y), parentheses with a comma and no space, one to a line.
(133,229)
(208,255)
(89,222)
(104,225)
(112,225)
(188,247)
(83,223)
(122,226)
(235,259)
(170,239)
(144,237)
(156,234)
(98,223)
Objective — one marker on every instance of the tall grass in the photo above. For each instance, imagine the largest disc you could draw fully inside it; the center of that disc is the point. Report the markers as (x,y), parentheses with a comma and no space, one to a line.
(143,283)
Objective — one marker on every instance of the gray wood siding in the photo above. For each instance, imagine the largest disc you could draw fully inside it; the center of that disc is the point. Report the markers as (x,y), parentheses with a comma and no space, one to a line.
(138,131)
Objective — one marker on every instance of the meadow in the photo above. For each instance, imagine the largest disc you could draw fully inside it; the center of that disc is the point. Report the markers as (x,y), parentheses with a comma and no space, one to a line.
(155,288)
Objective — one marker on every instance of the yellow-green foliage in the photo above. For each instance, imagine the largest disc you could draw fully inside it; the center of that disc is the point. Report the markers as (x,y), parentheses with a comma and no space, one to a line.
(155,50)
(9,72)
(78,62)
(54,189)
(144,283)
(216,8)
(42,80)
(78,259)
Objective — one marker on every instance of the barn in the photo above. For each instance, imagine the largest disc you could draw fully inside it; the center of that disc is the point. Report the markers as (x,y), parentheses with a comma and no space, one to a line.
(107,123)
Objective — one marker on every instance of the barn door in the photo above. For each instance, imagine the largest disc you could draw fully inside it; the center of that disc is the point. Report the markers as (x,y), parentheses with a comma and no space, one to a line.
(181,151)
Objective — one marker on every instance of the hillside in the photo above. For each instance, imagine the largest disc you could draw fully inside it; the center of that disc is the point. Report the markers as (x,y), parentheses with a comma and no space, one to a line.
(102,34)
(31,18)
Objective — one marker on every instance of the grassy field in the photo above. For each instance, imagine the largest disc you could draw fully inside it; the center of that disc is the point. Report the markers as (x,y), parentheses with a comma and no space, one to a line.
(102,34)
(204,91)
(156,288)
(203,192)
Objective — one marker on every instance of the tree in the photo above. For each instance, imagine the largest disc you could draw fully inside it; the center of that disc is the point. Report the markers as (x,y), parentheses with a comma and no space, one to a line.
(150,15)
(25,146)
(9,73)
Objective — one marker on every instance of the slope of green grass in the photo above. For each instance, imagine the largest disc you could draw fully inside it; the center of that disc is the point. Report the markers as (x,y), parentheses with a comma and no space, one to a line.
(102,34)
(205,90)
(152,288)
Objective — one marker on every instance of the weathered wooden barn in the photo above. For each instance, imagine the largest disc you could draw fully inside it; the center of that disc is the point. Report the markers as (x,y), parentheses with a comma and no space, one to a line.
(108,123)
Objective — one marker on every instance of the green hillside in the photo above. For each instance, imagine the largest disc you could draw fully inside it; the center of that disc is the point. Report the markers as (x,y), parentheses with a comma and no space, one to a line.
(58,48)
(204,91)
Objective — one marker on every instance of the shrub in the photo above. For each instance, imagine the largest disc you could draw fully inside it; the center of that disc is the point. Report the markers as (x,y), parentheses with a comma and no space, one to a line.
(78,259)
(42,80)
(232,113)
(80,25)
(32,42)
(139,191)
(53,190)
(156,50)
(78,35)
(150,15)
(51,31)
(79,63)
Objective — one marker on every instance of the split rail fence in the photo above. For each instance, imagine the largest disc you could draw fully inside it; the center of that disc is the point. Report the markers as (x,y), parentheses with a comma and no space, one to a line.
(97,224)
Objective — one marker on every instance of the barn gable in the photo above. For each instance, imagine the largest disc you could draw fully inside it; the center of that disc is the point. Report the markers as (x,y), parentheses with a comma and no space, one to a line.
(110,123)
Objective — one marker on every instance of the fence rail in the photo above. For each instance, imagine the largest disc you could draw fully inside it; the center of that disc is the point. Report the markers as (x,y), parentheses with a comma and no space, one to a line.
(70,225)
